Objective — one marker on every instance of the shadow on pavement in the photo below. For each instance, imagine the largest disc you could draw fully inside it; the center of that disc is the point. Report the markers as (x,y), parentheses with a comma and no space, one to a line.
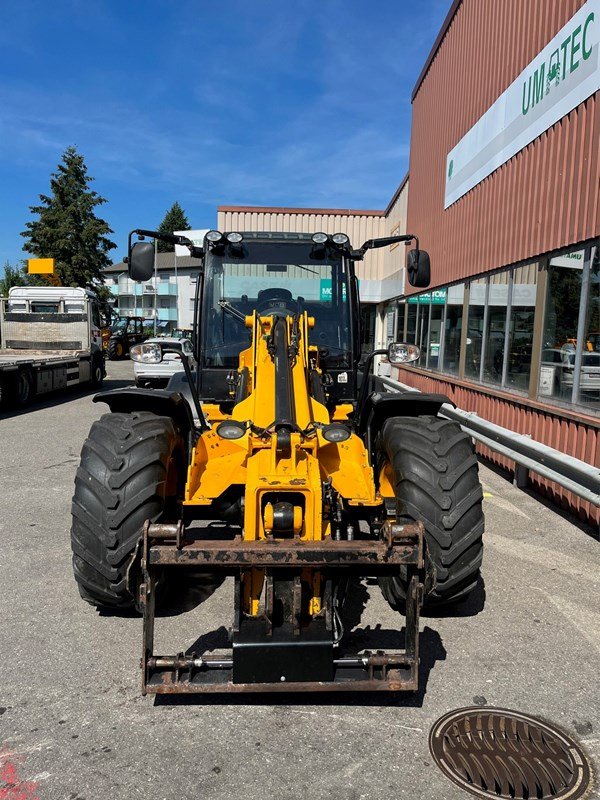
(55,399)
(356,640)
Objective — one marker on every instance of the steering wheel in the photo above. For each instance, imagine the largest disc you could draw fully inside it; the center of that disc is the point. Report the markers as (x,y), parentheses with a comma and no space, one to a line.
(276,299)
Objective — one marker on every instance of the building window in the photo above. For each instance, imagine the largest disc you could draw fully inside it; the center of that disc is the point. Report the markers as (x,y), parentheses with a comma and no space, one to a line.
(436,329)
(563,296)
(400,319)
(367,328)
(495,327)
(589,382)
(475,327)
(570,363)
(411,326)
(521,316)
(423,326)
(453,329)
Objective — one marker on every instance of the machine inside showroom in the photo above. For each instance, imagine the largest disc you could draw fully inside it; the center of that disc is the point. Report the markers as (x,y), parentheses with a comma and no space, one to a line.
(276,462)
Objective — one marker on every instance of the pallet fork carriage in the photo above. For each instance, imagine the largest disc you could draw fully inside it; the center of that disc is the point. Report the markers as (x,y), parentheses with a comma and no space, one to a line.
(244,671)
(280,465)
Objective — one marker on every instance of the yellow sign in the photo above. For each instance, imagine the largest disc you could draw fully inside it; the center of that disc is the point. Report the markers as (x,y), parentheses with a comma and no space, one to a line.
(40,266)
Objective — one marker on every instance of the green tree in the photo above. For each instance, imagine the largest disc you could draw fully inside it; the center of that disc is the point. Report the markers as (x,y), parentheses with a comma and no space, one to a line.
(13,276)
(67,228)
(175,220)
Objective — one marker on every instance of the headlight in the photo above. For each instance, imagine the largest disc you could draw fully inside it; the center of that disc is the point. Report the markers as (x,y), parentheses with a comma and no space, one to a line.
(234,238)
(340,238)
(402,353)
(231,430)
(336,433)
(214,236)
(147,353)
(320,238)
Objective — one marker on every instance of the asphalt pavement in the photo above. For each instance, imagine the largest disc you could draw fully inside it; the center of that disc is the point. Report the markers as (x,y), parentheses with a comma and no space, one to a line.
(74,726)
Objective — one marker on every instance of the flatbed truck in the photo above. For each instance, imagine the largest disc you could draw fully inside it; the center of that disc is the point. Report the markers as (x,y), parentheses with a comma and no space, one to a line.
(50,339)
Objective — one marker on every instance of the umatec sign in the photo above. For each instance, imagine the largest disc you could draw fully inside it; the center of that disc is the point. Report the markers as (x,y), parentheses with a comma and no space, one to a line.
(562,76)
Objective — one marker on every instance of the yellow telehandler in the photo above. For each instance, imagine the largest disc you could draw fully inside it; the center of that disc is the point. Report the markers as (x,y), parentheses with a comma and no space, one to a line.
(281,463)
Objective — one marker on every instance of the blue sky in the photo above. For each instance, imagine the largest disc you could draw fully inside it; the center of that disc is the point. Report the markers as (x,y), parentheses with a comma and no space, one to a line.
(236,102)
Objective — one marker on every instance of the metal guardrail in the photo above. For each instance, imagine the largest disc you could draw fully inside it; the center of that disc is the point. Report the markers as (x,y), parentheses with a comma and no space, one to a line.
(571,473)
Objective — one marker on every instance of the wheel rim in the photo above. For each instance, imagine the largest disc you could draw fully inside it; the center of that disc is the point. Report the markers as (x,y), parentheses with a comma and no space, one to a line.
(119,349)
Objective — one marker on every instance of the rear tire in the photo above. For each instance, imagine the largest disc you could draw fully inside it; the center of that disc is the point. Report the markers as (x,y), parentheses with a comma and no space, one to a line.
(128,473)
(437,482)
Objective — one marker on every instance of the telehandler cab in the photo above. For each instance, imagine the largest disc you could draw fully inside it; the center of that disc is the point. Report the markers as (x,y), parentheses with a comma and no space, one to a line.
(281,463)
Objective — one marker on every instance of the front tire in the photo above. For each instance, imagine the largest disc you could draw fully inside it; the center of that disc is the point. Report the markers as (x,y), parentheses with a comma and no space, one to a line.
(97,371)
(436,481)
(129,470)
(116,351)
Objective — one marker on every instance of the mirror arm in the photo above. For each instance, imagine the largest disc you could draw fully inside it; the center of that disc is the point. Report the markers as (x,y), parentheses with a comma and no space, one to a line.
(362,397)
(370,244)
(169,238)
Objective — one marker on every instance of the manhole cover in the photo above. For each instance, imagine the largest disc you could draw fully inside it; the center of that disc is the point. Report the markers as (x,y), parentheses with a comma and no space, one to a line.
(492,752)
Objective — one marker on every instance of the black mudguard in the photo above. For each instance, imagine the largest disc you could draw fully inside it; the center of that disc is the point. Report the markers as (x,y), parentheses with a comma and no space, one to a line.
(163,402)
(383,405)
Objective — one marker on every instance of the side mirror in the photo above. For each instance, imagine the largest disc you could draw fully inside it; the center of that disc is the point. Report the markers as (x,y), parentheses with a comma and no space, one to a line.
(141,261)
(418,268)
(400,353)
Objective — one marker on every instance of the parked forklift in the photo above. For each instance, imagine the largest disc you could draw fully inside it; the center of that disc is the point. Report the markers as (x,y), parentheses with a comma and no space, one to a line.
(282,463)
(124,333)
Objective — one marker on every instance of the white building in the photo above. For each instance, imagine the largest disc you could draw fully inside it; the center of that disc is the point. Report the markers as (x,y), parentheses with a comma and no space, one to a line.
(168,296)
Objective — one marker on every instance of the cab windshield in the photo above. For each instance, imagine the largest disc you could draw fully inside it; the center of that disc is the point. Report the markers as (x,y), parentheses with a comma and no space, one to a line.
(284,279)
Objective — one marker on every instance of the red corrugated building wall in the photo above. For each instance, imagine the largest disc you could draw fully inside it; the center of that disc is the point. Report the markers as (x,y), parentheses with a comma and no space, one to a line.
(544,198)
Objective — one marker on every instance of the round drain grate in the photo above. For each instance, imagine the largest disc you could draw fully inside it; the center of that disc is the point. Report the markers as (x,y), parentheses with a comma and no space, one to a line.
(492,752)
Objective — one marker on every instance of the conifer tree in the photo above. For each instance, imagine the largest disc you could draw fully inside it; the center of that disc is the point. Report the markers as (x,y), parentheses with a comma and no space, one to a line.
(175,220)
(67,228)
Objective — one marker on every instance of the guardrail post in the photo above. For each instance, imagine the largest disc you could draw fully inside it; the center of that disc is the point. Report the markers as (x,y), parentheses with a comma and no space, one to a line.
(521,476)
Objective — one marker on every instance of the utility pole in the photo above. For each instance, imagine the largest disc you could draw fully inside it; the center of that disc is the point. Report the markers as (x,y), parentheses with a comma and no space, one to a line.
(176,290)
(155,286)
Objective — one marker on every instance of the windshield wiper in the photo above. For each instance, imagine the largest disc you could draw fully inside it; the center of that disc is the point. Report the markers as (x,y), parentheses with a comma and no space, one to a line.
(233,311)
(306,269)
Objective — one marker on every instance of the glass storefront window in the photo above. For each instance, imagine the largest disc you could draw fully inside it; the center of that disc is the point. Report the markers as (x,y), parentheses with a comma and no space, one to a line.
(495,327)
(423,331)
(435,335)
(400,322)
(411,328)
(367,328)
(475,327)
(520,328)
(453,329)
(589,376)
(563,296)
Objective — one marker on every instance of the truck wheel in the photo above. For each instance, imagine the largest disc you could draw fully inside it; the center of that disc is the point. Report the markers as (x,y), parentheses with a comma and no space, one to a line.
(22,389)
(129,472)
(97,370)
(116,350)
(436,481)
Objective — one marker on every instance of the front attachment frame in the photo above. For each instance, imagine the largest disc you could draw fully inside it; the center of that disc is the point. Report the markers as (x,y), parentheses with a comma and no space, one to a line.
(165,544)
